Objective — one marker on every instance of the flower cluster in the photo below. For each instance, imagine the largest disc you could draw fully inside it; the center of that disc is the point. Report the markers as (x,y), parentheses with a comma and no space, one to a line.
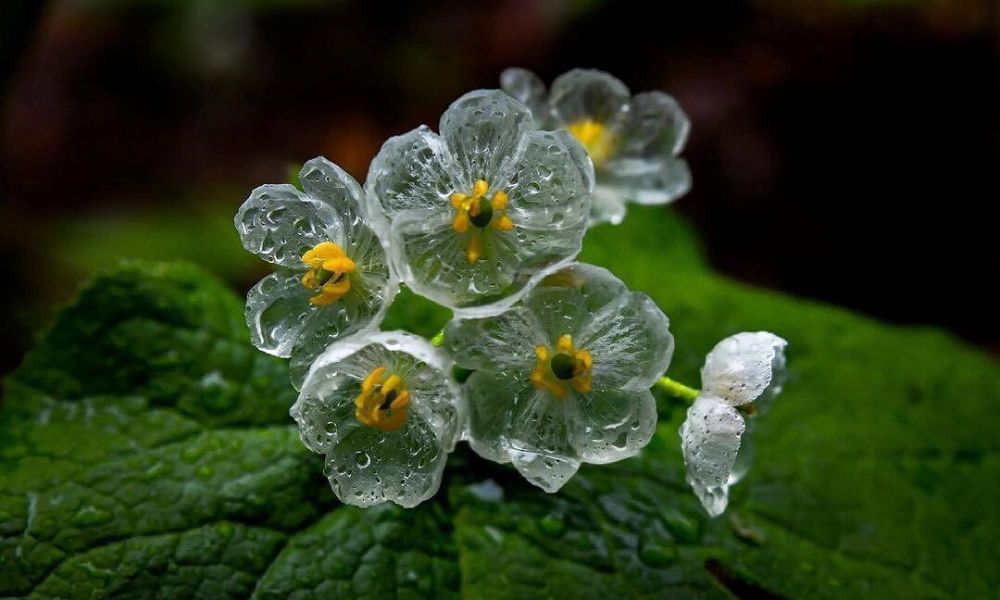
(633,141)
(484,217)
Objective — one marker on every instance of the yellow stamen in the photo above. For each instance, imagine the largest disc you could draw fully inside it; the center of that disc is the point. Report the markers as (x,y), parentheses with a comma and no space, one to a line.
(473,214)
(382,404)
(474,247)
(499,201)
(479,188)
(504,223)
(595,138)
(328,273)
(567,365)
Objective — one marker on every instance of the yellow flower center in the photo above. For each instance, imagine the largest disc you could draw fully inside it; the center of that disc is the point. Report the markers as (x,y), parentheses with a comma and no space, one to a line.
(328,273)
(595,138)
(381,403)
(474,209)
(566,365)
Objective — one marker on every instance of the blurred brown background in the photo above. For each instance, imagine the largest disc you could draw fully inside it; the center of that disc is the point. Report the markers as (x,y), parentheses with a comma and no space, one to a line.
(845,150)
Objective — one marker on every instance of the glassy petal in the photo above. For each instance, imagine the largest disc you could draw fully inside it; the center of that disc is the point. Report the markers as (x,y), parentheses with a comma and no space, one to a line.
(324,181)
(277,311)
(365,468)
(539,445)
(412,172)
(494,400)
(279,224)
(608,206)
(482,130)
(710,440)
(645,181)
(549,183)
(656,127)
(501,343)
(557,310)
(630,343)
(608,425)
(741,368)
(528,89)
(588,94)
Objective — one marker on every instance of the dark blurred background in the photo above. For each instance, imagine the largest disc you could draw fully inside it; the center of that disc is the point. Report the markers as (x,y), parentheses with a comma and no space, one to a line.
(844,150)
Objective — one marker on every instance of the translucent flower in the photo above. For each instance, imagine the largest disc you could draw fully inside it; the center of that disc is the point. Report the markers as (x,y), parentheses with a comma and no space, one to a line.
(383,409)
(478,214)
(634,141)
(564,376)
(333,278)
(741,376)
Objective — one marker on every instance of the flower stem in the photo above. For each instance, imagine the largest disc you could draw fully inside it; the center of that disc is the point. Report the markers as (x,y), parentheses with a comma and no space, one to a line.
(677,389)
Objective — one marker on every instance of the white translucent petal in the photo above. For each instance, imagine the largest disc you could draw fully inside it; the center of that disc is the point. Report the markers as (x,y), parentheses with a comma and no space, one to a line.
(589,94)
(710,440)
(364,468)
(528,89)
(324,181)
(656,127)
(506,341)
(608,425)
(482,130)
(549,183)
(565,300)
(778,375)
(538,442)
(366,465)
(557,310)
(630,343)
(547,471)
(277,311)
(279,224)
(412,172)
(511,421)
(494,399)
(741,368)
(644,180)
(746,454)
(608,206)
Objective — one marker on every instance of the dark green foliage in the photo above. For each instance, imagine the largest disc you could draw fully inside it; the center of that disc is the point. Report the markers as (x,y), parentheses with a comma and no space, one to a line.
(146,452)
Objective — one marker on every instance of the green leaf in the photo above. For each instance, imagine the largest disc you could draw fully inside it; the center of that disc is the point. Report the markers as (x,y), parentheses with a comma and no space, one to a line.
(146,452)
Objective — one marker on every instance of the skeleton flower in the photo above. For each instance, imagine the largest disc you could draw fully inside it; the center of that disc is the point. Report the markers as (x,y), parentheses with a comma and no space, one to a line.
(564,376)
(332,279)
(478,214)
(742,374)
(382,408)
(634,141)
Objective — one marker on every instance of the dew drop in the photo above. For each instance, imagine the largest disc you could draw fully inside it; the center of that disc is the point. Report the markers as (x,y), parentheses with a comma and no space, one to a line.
(362,459)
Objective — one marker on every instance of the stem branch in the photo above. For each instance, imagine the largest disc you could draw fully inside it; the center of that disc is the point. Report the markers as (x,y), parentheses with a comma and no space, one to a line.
(677,389)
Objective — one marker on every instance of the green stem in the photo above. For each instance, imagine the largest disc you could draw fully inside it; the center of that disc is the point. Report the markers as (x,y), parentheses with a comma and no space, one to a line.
(438,339)
(677,389)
